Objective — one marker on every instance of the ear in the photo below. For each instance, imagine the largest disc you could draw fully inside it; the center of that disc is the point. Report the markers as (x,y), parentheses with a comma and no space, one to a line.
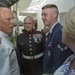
(54,15)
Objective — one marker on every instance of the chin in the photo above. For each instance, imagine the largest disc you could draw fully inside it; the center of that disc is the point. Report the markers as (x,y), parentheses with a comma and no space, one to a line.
(28,30)
(46,25)
(10,31)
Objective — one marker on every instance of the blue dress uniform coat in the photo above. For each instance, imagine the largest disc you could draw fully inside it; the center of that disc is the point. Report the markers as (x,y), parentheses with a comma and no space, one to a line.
(55,51)
(30,48)
(8,59)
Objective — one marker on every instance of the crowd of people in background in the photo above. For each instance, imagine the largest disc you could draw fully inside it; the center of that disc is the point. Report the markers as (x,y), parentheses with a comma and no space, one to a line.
(47,52)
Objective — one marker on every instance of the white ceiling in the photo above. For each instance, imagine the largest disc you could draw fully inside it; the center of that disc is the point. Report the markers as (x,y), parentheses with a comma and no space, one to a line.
(34,5)
(23,5)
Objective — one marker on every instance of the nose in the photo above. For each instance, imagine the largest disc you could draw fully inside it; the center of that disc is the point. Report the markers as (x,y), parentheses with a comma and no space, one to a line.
(12,21)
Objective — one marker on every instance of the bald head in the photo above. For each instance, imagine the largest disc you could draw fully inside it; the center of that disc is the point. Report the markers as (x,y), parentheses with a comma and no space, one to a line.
(6,20)
(4,11)
(4,8)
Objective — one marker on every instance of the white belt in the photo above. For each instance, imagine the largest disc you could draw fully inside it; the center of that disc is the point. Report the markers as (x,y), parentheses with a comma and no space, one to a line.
(33,57)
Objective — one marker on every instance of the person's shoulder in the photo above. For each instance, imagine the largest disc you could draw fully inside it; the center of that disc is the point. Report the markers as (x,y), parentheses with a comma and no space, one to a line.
(20,35)
(40,32)
(58,29)
(59,23)
(59,26)
(57,33)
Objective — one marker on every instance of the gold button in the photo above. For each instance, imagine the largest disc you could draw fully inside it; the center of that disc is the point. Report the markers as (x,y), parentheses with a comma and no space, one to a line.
(31,53)
(29,34)
(29,41)
(29,37)
(30,45)
(22,44)
(30,49)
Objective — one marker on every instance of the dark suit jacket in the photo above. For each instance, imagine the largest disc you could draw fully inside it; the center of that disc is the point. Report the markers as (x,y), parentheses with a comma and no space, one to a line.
(55,51)
(30,44)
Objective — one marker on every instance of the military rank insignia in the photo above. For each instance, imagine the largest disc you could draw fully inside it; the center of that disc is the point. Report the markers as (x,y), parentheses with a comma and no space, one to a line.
(62,48)
(0,39)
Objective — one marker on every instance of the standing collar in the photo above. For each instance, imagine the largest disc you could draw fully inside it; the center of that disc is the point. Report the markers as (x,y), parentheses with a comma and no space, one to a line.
(29,32)
(53,27)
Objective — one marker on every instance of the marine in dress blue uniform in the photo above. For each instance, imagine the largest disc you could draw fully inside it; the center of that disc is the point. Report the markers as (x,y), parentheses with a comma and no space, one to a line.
(30,48)
(55,51)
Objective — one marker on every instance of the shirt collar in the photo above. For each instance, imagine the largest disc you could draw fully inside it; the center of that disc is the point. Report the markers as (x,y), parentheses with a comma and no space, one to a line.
(4,34)
(53,27)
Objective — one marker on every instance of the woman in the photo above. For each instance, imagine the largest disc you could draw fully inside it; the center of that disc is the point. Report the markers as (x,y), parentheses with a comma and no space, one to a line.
(68,38)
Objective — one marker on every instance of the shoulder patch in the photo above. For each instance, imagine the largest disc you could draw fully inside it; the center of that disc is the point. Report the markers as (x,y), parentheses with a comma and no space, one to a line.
(62,48)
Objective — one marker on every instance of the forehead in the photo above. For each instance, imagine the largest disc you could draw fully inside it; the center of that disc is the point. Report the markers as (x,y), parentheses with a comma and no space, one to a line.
(47,10)
(28,20)
(6,13)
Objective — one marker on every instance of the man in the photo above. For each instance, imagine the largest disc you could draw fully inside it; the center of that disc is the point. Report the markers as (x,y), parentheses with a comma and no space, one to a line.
(55,51)
(8,59)
(30,48)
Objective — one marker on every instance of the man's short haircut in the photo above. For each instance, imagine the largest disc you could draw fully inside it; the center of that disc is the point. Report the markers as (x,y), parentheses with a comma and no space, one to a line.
(50,6)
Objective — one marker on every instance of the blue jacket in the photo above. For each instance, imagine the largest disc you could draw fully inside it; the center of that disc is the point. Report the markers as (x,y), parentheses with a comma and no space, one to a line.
(55,51)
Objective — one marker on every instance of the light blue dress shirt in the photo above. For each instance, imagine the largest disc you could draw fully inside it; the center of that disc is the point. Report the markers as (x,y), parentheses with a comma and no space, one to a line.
(8,59)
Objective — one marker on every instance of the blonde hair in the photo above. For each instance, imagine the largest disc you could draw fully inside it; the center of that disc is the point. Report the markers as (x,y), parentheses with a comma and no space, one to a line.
(53,6)
(70,24)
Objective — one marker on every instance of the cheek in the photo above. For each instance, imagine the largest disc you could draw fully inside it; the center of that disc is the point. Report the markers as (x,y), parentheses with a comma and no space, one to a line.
(31,28)
(26,27)
(46,20)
